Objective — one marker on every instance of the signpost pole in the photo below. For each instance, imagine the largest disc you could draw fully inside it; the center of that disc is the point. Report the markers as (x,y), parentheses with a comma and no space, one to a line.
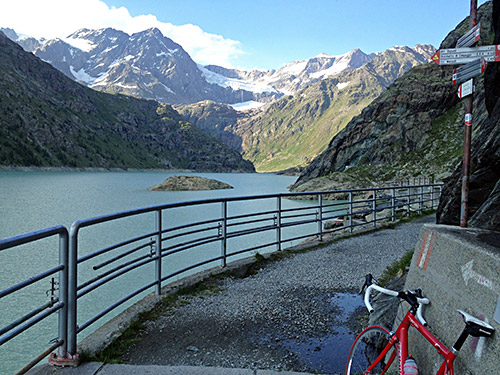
(467,137)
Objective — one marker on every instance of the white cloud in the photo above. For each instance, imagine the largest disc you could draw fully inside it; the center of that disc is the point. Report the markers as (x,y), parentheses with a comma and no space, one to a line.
(59,18)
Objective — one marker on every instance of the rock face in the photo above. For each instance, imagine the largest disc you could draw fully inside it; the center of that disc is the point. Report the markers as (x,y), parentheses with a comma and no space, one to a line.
(176,183)
(216,119)
(484,189)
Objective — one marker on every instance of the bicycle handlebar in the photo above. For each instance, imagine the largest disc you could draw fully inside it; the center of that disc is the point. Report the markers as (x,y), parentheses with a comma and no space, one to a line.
(421,300)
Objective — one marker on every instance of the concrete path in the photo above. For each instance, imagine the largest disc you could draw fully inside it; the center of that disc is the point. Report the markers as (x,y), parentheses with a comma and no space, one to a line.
(96,368)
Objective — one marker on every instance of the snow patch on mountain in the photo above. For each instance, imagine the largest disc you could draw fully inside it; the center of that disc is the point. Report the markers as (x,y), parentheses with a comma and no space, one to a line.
(82,44)
(331,71)
(236,83)
(343,85)
(245,106)
(82,76)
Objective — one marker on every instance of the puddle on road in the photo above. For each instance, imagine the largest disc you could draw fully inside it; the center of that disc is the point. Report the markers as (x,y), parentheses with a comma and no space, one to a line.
(328,354)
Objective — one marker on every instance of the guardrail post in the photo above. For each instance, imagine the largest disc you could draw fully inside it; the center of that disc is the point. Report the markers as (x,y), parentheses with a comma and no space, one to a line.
(409,202)
(432,196)
(320,217)
(350,212)
(278,223)
(223,233)
(63,358)
(421,200)
(393,204)
(374,208)
(63,294)
(158,252)
(72,290)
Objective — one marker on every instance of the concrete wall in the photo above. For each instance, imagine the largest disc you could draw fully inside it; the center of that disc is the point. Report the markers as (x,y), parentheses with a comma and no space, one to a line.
(457,268)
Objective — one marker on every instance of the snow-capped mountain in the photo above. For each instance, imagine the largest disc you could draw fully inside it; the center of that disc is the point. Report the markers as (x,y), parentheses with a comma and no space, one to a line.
(150,65)
(291,77)
(297,75)
(145,64)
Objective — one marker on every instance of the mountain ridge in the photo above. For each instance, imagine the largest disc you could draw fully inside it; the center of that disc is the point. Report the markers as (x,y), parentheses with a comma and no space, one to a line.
(149,65)
(48,119)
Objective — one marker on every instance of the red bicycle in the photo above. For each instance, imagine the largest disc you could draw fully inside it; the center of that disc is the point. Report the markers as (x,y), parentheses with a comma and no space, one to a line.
(376,348)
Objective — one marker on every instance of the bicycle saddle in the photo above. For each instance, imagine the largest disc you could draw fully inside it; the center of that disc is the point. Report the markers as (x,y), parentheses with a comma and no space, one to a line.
(477,328)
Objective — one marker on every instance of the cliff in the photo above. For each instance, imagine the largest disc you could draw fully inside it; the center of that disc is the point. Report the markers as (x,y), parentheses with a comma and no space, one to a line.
(484,189)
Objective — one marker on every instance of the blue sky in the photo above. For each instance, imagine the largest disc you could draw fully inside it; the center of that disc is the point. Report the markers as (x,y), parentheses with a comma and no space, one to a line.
(264,34)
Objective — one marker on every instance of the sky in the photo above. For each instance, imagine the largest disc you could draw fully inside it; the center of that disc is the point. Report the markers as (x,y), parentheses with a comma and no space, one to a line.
(249,34)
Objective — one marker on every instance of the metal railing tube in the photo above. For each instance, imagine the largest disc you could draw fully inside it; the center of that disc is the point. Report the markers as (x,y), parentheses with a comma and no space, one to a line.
(113,276)
(122,255)
(30,323)
(198,223)
(26,317)
(374,208)
(244,232)
(239,223)
(31,280)
(176,249)
(113,247)
(432,197)
(393,204)
(299,222)
(114,306)
(195,242)
(37,359)
(421,200)
(185,269)
(113,270)
(409,202)
(183,234)
(351,228)
(9,242)
(223,229)
(278,222)
(158,253)
(235,217)
(320,217)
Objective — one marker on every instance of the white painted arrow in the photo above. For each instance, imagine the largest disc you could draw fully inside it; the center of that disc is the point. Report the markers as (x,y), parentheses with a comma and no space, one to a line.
(468,273)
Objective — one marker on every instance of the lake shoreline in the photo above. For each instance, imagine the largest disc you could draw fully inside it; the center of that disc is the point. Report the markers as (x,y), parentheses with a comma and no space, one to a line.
(8,168)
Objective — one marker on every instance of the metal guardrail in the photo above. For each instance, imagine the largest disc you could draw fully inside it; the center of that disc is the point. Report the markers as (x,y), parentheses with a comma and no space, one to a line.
(150,249)
(55,304)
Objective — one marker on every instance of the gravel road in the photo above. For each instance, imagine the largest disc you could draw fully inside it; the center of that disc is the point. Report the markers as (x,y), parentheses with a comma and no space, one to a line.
(296,314)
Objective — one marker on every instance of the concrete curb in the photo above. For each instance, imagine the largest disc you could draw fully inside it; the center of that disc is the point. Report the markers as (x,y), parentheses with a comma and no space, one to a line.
(97,368)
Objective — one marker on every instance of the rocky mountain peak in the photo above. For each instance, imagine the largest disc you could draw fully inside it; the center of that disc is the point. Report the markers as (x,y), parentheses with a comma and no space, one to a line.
(426,50)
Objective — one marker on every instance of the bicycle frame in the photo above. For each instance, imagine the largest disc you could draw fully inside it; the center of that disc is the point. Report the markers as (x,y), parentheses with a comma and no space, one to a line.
(400,340)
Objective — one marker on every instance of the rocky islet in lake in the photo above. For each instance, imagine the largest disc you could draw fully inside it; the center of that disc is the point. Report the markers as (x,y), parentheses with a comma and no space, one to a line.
(191,183)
